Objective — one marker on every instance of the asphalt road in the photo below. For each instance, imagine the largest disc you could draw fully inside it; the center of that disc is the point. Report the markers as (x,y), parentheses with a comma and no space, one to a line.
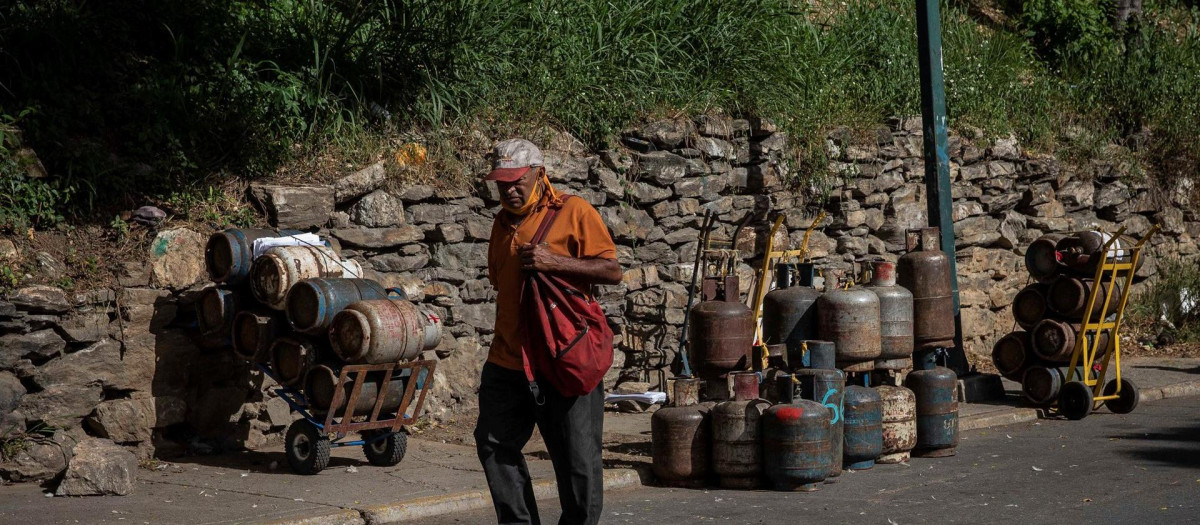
(1139,468)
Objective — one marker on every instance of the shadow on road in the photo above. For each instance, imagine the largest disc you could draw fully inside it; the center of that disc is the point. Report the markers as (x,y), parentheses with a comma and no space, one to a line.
(1194,370)
(1175,447)
(260,462)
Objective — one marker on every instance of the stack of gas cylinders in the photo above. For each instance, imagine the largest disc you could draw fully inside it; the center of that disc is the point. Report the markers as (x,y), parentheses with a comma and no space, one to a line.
(302,311)
(835,391)
(1050,311)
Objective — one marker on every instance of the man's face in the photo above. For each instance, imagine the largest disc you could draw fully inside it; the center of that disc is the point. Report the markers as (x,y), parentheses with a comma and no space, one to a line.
(516,192)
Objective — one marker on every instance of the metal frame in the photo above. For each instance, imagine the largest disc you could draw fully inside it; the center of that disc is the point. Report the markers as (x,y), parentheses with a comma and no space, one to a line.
(1113,265)
(339,426)
(764,283)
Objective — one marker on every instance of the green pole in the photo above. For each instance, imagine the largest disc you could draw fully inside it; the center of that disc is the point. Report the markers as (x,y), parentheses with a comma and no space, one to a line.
(937,160)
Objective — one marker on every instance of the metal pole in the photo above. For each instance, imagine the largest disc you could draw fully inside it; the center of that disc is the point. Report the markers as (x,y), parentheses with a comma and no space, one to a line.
(937,160)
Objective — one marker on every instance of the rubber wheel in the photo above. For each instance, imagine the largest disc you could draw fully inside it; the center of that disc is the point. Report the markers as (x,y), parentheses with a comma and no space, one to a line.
(1075,401)
(307,449)
(1129,396)
(388,451)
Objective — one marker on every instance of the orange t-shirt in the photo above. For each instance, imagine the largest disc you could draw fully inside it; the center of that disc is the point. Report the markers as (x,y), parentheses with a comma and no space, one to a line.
(578,231)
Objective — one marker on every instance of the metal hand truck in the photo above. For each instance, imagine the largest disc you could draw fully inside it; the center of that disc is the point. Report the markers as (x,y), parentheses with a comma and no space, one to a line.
(1080,396)
(310,440)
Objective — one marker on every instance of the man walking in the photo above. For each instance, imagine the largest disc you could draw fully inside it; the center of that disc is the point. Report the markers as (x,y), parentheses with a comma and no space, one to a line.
(577,248)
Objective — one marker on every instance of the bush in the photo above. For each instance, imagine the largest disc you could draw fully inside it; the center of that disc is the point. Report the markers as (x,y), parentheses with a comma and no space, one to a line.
(1172,300)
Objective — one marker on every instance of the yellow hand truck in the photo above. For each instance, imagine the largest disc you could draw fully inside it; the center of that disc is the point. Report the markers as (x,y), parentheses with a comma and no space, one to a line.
(1080,396)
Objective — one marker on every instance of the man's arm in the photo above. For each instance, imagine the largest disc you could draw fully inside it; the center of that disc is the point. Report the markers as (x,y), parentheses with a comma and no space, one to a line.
(593,270)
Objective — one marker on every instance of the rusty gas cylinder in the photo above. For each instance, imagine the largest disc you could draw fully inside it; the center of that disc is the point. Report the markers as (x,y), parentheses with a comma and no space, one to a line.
(797,450)
(278,269)
(383,331)
(895,318)
(1054,341)
(816,354)
(1080,252)
(215,312)
(789,312)
(312,303)
(925,271)
(736,431)
(1012,354)
(680,438)
(292,356)
(1042,384)
(850,318)
(254,331)
(1029,305)
(1041,257)
(320,385)
(827,388)
(720,335)
(899,424)
(230,253)
(862,434)
(1068,297)
(937,408)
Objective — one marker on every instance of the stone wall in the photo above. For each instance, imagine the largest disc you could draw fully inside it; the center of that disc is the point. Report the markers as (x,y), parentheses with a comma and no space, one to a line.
(126,363)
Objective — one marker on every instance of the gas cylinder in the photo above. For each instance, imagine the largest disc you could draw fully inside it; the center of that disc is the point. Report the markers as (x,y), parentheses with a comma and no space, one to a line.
(826,387)
(1041,258)
(925,271)
(383,331)
(850,318)
(863,431)
(1029,305)
(254,331)
(937,409)
(1042,384)
(813,354)
(1068,297)
(736,430)
(789,312)
(312,303)
(292,357)
(899,423)
(230,253)
(215,312)
(895,318)
(1080,254)
(797,451)
(720,334)
(1054,341)
(320,385)
(680,438)
(278,269)
(1013,354)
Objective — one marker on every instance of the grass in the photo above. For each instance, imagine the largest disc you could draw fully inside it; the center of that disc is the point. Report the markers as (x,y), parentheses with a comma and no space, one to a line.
(194,95)
(1170,304)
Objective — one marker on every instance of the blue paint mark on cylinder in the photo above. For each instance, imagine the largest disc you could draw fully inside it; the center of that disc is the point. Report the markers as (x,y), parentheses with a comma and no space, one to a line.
(863,427)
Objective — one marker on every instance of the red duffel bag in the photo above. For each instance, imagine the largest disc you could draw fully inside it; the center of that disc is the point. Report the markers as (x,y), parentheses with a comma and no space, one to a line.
(567,338)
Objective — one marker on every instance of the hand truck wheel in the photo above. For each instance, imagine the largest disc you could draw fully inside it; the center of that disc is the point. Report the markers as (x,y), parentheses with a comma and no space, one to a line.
(306,447)
(386,451)
(1129,396)
(1075,401)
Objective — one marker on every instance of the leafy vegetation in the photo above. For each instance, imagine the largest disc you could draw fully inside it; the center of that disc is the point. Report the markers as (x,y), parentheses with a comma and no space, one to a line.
(141,98)
(1171,302)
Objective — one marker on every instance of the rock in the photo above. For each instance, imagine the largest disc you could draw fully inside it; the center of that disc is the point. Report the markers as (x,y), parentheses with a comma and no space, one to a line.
(61,406)
(394,262)
(8,251)
(99,468)
(713,126)
(41,460)
(668,134)
(1002,202)
(561,167)
(973,172)
(479,316)
(1077,195)
(661,167)
(460,256)
(85,327)
(478,228)
(379,209)
(11,392)
(177,259)
(641,277)
(976,231)
(1012,230)
(278,412)
(379,237)
(1005,148)
(359,183)
(99,364)
(627,223)
(40,299)
(37,346)
(416,193)
(299,207)
(50,267)
(1112,201)
(648,193)
(968,208)
(132,420)
(436,213)
(1171,220)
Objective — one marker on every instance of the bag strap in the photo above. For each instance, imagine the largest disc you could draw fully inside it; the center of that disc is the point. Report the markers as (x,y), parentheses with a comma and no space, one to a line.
(538,237)
(547,222)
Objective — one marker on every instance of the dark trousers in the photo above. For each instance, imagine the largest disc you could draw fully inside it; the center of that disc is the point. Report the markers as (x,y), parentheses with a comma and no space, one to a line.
(571,427)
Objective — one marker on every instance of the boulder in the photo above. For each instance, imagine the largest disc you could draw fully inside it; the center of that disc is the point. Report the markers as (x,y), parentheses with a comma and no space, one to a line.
(61,406)
(11,392)
(359,183)
(379,237)
(103,364)
(299,207)
(379,209)
(37,346)
(177,259)
(40,299)
(278,412)
(132,420)
(660,167)
(40,459)
(1077,195)
(9,251)
(99,468)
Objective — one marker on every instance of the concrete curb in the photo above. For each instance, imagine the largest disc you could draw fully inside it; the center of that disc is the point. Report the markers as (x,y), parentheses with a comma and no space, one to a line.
(1025,415)
(614,479)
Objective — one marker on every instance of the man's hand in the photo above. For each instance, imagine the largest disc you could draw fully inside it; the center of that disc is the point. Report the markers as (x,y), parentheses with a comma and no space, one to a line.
(538,257)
